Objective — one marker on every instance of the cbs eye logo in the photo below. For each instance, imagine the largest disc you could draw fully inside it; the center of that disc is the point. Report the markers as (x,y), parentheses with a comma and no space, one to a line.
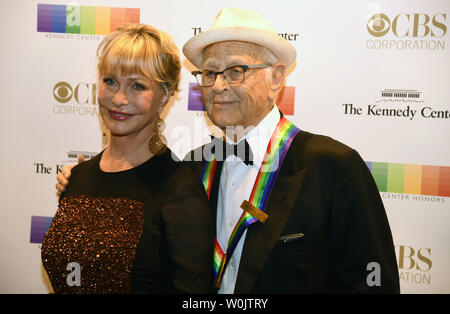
(62,92)
(378,25)
(83,93)
(408,25)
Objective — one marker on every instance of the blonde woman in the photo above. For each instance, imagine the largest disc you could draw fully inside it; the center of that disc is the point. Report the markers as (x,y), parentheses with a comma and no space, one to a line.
(131,218)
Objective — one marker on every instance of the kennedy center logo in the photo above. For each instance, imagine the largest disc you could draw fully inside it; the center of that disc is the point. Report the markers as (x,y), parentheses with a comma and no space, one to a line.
(411,179)
(39,227)
(399,103)
(286,100)
(76,19)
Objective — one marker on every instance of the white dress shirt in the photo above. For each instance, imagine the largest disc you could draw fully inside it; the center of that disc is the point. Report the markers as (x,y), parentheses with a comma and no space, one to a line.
(236,184)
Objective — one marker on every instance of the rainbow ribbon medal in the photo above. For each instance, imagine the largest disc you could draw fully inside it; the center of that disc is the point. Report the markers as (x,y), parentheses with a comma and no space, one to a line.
(276,151)
(208,174)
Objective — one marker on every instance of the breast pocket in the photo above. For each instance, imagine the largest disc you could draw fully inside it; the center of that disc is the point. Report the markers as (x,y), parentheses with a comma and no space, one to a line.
(296,244)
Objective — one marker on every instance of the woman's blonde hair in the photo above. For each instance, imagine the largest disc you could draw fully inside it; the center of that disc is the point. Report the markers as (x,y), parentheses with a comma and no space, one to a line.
(145,50)
(141,49)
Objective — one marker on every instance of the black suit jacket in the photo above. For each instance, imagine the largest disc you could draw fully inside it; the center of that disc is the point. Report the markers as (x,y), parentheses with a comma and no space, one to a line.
(326,199)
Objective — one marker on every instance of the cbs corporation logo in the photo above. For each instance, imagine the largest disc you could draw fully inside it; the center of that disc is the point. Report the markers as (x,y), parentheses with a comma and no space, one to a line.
(414,31)
(414,264)
(75,99)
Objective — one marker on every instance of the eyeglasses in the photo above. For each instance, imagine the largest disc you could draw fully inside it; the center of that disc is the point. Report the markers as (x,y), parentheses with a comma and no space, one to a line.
(233,75)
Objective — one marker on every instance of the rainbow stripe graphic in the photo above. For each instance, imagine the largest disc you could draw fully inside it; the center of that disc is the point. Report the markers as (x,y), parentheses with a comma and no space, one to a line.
(195,98)
(76,19)
(411,179)
(39,227)
(286,100)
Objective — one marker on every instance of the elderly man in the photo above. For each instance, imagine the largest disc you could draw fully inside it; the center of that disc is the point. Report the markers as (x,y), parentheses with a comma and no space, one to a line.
(295,212)
(305,215)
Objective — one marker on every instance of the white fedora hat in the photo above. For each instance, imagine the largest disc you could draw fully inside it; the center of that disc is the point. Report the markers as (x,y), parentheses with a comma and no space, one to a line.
(232,24)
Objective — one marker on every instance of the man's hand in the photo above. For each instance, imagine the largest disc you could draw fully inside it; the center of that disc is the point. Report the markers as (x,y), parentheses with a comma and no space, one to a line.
(63,177)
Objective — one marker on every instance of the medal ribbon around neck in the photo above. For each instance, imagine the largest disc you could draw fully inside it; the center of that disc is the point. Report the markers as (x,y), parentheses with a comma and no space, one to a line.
(276,151)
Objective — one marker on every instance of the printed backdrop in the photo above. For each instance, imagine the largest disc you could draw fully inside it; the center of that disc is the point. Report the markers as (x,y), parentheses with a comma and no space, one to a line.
(372,74)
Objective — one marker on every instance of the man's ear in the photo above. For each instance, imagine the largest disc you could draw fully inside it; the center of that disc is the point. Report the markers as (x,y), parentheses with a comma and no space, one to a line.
(277,79)
(278,75)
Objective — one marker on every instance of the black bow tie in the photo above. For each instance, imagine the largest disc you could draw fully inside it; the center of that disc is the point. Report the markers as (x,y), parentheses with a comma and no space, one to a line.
(241,150)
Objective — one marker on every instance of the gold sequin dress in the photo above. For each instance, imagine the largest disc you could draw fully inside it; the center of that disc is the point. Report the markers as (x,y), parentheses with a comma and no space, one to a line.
(143,230)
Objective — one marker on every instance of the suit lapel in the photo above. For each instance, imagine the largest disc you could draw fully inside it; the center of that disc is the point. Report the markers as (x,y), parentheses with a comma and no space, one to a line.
(214,197)
(261,238)
(204,152)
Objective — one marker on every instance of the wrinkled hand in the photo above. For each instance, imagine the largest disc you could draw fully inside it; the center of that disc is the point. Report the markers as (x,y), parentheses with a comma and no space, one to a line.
(63,177)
